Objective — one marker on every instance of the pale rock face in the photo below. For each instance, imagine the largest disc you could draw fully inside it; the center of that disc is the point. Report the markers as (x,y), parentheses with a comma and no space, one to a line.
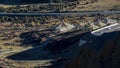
(64,27)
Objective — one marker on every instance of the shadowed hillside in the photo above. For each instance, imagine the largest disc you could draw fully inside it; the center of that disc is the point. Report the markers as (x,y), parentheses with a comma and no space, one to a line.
(51,49)
(23,1)
(30,1)
(102,53)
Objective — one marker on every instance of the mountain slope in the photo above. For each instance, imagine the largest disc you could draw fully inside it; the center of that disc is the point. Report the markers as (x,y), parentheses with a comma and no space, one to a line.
(95,5)
(23,1)
(103,53)
(68,5)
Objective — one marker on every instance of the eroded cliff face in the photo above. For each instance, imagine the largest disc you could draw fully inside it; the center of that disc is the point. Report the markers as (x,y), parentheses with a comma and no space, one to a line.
(104,52)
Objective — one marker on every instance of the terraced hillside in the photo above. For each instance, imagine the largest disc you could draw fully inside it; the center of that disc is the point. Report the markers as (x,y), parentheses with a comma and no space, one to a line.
(58,5)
